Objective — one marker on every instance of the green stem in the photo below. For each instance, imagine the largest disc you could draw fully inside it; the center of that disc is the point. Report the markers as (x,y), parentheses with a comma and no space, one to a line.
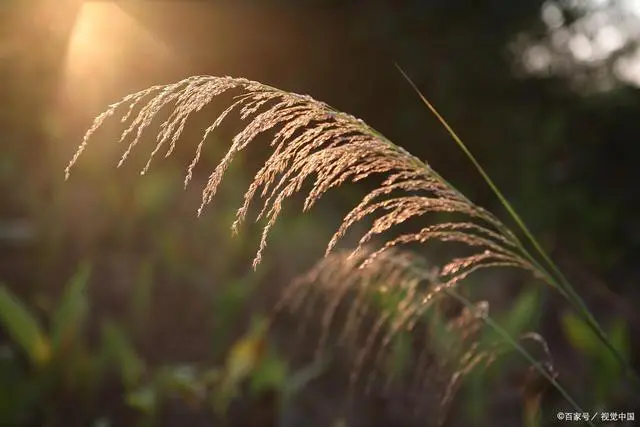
(559,281)
(505,336)
(509,340)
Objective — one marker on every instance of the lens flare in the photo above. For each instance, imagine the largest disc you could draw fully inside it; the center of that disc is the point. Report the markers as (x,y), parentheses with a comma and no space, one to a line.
(106,42)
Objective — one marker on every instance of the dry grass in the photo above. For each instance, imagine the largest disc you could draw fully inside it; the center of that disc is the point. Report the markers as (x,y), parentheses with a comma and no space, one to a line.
(362,313)
(314,141)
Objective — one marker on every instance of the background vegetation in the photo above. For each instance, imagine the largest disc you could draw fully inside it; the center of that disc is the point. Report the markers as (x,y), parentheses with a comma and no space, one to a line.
(129,307)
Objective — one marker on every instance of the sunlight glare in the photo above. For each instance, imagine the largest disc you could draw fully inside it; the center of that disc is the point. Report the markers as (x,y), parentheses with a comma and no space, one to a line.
(104,47)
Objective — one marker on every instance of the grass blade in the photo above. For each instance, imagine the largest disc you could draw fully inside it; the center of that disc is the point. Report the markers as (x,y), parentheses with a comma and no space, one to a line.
(556,278)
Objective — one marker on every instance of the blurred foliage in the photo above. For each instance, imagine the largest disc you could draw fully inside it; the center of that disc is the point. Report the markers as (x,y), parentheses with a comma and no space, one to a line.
(608,378)
(64,359)
(24,328)
(171,297)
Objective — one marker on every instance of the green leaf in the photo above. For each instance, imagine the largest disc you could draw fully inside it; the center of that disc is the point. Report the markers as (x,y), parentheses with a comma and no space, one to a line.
(579,334)
(121,352)
(521,315)
(72,310)
(24,328)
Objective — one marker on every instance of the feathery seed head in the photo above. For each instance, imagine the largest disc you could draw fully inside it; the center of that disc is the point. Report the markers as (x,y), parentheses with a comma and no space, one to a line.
(314,141)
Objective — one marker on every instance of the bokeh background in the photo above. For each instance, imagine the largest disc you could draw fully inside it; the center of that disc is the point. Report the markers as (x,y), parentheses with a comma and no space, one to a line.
(545,93)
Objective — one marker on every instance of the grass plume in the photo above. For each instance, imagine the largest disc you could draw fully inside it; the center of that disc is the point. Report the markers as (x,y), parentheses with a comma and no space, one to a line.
(365,313)
(547,270)
(314,142)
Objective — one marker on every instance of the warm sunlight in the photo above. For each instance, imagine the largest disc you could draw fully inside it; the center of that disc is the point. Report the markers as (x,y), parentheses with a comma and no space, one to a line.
(319,213)
(104,42)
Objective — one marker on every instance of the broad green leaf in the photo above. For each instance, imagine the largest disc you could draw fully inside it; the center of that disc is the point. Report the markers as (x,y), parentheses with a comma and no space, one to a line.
(579,333)
(24,328)
(69,317)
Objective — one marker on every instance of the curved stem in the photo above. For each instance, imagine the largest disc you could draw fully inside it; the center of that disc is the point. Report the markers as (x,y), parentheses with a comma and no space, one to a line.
(559,281)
